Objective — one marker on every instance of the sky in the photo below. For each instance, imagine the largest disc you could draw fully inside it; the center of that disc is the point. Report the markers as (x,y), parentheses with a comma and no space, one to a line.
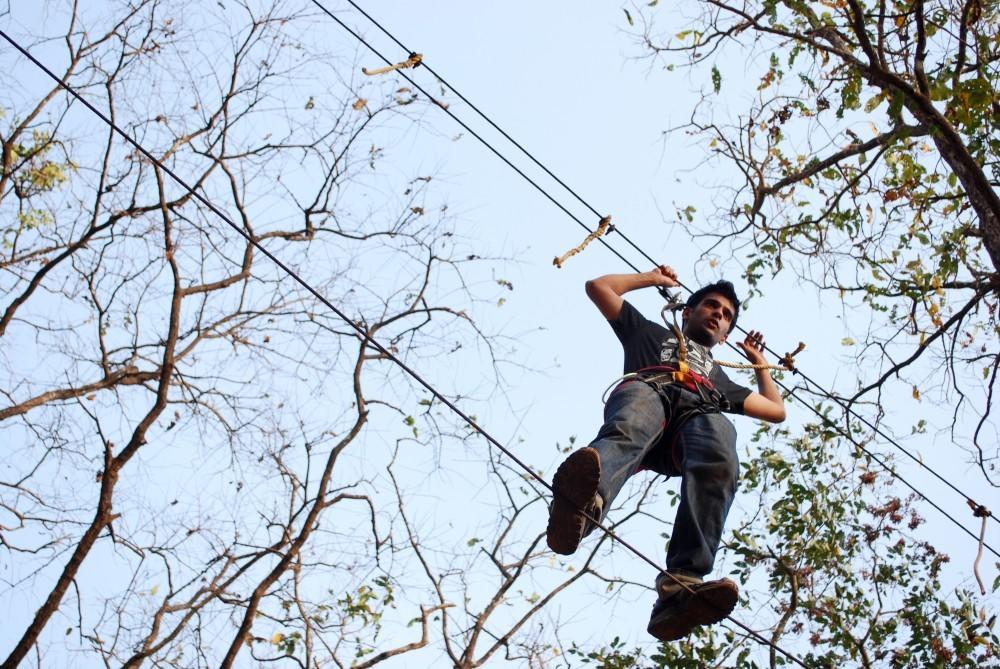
(572,84)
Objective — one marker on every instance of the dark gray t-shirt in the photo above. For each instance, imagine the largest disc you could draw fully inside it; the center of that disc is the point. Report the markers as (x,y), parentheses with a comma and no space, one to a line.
(648,344)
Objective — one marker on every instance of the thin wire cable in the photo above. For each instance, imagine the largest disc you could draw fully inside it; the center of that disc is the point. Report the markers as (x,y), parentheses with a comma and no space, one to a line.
(617,229)
(827,422)
(496,127)
(977,509)
(366,338)
(877,430)
(475,134)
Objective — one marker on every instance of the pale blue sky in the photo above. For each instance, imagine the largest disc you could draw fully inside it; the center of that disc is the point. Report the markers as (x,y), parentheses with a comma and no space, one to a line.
(568,81)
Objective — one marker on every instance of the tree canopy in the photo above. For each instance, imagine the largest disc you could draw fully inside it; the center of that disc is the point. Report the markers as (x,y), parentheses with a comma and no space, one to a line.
(866,160)
(205,468)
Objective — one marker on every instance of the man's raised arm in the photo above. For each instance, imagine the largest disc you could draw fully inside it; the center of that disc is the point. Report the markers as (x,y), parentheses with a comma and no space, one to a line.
(606,291)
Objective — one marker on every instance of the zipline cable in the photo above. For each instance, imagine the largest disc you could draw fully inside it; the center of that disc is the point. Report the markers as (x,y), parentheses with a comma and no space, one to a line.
(366,338)
(826,393)
(475,134)
(486,118)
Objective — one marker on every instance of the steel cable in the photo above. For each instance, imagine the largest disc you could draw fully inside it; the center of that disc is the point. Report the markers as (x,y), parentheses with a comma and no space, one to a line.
(365,337)
(820,389)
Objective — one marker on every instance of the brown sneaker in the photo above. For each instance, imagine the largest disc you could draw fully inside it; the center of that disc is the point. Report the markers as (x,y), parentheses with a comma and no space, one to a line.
(574,487)
(683,606)
(713,601)
(670,620)
(667,583)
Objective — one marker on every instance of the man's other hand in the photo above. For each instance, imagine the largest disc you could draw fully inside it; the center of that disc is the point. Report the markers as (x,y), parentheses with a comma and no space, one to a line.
(753,347)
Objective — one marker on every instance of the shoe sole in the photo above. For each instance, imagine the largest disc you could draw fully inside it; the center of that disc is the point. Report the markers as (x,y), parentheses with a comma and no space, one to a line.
(670,629)
(711,603)
(573,488)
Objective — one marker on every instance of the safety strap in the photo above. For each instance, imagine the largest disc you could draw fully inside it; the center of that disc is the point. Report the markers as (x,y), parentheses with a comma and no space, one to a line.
(683,376)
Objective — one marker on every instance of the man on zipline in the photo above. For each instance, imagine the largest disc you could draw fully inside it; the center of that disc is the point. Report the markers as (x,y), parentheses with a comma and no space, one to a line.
(666,416)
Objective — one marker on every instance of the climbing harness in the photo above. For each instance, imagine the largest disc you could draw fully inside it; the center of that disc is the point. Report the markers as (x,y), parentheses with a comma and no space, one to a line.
(681,373)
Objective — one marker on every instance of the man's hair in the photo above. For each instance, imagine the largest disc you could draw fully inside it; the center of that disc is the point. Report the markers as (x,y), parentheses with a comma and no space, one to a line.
(724,288)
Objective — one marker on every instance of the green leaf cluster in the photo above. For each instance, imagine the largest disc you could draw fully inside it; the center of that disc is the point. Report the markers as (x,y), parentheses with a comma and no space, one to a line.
(851,578)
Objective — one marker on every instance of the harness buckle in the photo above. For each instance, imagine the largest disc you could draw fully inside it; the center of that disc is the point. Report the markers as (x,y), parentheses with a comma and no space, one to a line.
(682,375)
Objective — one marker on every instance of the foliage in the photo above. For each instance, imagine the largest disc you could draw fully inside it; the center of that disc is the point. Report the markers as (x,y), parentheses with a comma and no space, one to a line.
(868,163)
(862,154)
(848,584)
(204,465)
(31,173)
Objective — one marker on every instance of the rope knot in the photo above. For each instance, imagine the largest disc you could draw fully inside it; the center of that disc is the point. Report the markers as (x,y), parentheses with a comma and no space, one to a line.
(412,61)
(978,510)
(788,361)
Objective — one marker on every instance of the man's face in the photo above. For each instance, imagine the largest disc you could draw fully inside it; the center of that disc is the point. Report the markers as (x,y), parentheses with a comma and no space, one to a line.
(709,321)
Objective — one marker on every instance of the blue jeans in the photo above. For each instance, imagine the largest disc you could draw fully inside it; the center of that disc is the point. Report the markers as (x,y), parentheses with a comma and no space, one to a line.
(635,424)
